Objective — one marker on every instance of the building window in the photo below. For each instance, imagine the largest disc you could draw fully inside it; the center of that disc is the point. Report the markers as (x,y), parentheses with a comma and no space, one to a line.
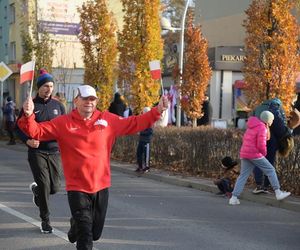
(12,52)
(12,13)
(1,31)
(6,53)
(5,12)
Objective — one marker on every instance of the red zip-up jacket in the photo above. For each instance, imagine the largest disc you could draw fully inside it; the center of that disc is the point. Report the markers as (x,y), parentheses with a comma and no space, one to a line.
(85,144)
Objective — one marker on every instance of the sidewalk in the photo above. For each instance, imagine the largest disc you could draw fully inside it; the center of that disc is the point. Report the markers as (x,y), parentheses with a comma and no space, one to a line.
(291,203)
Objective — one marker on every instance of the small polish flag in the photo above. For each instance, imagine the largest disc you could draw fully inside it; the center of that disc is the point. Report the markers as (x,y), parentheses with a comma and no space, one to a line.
(155,69)
(27,72)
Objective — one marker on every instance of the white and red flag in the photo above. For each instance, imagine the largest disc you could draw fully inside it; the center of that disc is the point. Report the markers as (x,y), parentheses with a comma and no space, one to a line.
(155,69)
(155,72)
(27,72)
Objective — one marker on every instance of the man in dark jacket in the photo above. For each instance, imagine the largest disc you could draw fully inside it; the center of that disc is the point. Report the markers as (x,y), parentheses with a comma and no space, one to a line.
(44,157)
(278,130)
(118,105)
(207,113)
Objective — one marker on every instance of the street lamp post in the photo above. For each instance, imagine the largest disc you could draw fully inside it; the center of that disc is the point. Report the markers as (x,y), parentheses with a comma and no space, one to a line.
(178,111)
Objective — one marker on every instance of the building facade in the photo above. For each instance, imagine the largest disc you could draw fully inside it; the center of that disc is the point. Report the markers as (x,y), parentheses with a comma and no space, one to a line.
(222,26)
(8,45)
(60,19)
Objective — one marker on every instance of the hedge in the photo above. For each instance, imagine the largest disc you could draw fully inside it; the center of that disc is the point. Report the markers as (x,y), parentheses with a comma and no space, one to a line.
(198,151)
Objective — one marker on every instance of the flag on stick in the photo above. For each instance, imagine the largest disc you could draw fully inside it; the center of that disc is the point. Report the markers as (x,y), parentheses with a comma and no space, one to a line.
(27,72)
(155,69)
(155,72)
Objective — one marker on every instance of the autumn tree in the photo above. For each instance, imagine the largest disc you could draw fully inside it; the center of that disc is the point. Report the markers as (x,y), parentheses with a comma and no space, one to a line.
(98,38)
(139,43)
(173,11)
(196,72)
(37,43)
(271,47)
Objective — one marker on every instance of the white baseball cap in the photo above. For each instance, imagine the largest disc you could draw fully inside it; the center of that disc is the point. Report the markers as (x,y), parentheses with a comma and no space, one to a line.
(86,91)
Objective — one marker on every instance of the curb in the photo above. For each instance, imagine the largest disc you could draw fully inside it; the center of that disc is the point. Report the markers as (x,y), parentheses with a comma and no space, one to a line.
(291,203)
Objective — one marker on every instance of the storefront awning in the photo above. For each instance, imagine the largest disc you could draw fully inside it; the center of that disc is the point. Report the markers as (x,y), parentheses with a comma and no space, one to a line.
(239,84)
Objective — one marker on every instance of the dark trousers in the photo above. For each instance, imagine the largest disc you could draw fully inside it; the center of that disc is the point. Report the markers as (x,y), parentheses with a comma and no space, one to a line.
(225,186)
(143,154)
(10,130)
(272,147)
(46,170)
(88,212)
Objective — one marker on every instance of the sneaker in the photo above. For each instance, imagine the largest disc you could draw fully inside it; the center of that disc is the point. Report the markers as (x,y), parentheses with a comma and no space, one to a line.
(258,190)
(268,190)
(46,227)
(138,170)
(72,234)
(35,198)
(146,169)
(280,195)
(220,193)
(234,200)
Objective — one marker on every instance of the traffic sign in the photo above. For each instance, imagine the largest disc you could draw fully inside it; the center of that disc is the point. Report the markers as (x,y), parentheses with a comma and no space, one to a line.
(5,72)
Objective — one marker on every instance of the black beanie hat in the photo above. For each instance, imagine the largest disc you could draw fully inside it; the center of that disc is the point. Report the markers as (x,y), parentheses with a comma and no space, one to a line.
(43,78)
(228,162)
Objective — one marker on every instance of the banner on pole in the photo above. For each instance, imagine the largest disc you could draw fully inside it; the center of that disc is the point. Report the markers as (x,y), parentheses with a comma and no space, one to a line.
(155,69)
(27,72)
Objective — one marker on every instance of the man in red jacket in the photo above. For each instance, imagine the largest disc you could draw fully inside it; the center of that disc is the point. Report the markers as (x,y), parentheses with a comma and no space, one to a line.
(85,138)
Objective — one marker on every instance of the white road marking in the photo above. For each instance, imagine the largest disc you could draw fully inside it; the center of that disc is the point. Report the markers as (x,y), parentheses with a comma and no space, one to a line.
(34,222)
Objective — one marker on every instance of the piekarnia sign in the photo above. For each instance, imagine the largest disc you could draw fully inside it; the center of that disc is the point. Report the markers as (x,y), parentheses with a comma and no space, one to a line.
(233,58)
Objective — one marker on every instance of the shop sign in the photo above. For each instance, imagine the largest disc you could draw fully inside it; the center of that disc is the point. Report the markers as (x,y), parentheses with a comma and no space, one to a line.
(233,58)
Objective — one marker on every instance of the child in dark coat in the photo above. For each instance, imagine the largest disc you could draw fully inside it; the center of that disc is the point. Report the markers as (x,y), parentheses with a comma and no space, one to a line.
(227,177)
(143,149)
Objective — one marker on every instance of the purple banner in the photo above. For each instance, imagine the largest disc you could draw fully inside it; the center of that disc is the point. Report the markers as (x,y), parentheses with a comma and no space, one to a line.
(59,28)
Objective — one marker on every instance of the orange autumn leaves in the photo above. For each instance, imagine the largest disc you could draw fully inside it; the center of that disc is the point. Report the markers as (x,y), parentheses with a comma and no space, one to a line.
(139,43)
(98,38)
(271,46)
(196,72)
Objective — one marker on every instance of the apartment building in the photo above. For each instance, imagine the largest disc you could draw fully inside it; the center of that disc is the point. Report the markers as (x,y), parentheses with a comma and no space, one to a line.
(7,43)
(60,19)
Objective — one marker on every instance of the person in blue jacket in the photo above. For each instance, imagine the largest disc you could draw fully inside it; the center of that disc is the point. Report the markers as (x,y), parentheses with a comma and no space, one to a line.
(279,130)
